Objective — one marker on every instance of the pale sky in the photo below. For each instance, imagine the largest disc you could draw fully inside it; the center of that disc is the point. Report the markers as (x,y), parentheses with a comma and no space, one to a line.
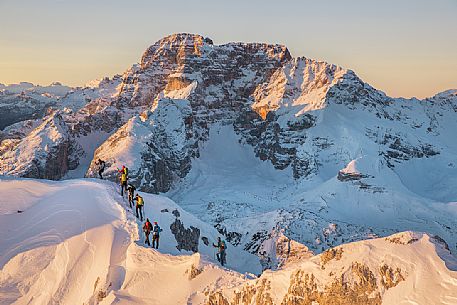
(403,47)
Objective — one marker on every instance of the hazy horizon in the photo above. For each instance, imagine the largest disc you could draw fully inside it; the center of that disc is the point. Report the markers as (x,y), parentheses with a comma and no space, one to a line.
(404,49)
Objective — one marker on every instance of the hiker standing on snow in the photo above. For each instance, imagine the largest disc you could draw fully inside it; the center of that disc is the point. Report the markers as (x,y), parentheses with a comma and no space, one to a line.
(155,235)
(123,179)
(147,228)
(139,206)
(131,189)
(101,167)
(220,255)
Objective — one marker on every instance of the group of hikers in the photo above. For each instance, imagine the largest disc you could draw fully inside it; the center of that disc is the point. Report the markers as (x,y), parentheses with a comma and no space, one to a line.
(148,227)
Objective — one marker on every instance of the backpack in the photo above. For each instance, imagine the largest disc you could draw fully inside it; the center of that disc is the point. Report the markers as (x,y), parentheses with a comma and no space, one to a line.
(147,227)
(223,245)
(140,201)
(156,230)
(126,171)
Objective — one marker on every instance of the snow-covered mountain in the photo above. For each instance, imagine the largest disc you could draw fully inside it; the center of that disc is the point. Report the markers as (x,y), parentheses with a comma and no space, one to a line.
(23,101)
(259,145)
(77,242)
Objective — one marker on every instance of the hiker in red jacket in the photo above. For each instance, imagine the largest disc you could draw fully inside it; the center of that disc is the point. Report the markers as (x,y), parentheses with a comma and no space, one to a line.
(147,228)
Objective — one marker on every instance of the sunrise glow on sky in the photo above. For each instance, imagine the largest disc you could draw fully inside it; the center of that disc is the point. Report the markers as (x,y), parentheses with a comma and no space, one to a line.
(403,47)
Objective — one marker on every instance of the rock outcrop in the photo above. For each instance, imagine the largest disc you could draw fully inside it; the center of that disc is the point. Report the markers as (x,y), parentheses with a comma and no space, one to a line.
(48,152)
(352,278)
(187,238)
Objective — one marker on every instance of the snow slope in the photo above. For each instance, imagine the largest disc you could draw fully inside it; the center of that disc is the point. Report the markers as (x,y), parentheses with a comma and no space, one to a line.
(77,242)
(248,200)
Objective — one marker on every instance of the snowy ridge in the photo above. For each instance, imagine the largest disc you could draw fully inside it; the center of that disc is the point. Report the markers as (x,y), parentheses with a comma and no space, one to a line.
(77,242)
(88,245)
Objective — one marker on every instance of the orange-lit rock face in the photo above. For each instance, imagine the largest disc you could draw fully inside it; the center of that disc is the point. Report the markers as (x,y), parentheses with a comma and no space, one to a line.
(262,111)
(177,83)
(175,49)
(357,284)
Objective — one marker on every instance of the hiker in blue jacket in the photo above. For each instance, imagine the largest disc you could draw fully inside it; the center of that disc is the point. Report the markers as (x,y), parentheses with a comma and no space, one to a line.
(221,255)
(155,235)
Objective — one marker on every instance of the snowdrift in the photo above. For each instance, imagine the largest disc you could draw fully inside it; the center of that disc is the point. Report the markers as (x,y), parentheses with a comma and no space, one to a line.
(77,242)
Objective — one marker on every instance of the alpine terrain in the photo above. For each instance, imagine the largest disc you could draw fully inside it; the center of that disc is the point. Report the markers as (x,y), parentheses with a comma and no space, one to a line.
(325,189)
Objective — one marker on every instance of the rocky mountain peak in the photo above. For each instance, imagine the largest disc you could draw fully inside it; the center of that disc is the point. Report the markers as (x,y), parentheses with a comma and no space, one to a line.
(176,48)
(446,97)
(300,85)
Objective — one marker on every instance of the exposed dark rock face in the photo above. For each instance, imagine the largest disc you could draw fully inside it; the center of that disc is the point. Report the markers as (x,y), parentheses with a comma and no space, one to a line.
(176,213)
(20,107)
(205,240)
(187,239)
(232,237)
(349,176)
(60,159)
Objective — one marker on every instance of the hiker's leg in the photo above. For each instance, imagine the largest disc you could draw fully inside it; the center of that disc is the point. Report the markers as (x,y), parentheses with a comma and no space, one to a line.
(147,239)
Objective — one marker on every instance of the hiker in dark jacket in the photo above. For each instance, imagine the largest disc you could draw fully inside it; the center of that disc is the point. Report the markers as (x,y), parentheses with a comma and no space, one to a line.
(147,228)
(131,190)
(156,235)
(101,167)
